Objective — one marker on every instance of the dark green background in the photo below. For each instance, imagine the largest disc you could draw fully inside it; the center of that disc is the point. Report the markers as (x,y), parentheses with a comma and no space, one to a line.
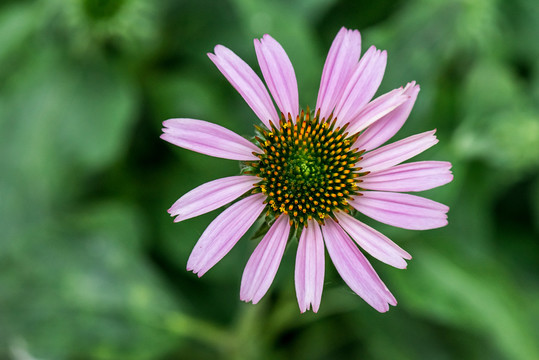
(92,266)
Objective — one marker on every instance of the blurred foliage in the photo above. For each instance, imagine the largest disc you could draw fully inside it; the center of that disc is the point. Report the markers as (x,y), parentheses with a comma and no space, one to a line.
(92,267)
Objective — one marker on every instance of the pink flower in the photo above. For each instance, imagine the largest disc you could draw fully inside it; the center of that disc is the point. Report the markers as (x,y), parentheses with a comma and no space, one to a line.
(311,172)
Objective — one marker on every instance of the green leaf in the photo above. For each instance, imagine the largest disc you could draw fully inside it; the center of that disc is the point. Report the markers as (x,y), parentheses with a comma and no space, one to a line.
(61,120)
(475,297)
(500,124)
(17,23)
(92,285)
(493,87)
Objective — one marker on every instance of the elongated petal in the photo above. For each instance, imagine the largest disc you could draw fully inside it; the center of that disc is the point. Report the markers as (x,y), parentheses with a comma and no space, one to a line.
(373,242)
(246,82)
(211,196)
(397,152)
(279,74)
(309,274)
(355,269)
(362,85)
(377,109)
(224,232)
(384,129)
(415,176)
(340,63)
(264,262)
(402,210)
(209,139)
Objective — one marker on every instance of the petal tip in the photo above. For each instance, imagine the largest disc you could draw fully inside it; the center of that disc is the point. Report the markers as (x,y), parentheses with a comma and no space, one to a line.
(381,307)
(178,218)
(256,300)
(219,48)
(200,272)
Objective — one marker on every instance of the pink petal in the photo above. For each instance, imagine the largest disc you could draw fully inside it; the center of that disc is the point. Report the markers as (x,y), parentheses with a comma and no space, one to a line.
(402,210)
(340,63)
(355,269)
(373,242)
(246,82)
(384,129)
(309,275)
(415,176)
(362,85)
(224,232)
(210,139)
(211,196)
(264,262)
(397,152)
(377,109)
(279,74)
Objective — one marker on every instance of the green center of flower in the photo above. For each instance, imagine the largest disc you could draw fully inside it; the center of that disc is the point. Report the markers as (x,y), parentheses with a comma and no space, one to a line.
(307,168)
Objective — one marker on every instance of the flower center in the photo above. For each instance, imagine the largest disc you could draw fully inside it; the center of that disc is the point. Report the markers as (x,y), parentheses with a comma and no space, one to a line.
(307,168)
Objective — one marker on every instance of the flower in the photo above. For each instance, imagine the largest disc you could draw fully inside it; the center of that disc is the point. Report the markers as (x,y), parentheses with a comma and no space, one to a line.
(308,173)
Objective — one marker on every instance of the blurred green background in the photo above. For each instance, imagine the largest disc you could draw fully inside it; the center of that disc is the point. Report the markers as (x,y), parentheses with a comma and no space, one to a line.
(92,266)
